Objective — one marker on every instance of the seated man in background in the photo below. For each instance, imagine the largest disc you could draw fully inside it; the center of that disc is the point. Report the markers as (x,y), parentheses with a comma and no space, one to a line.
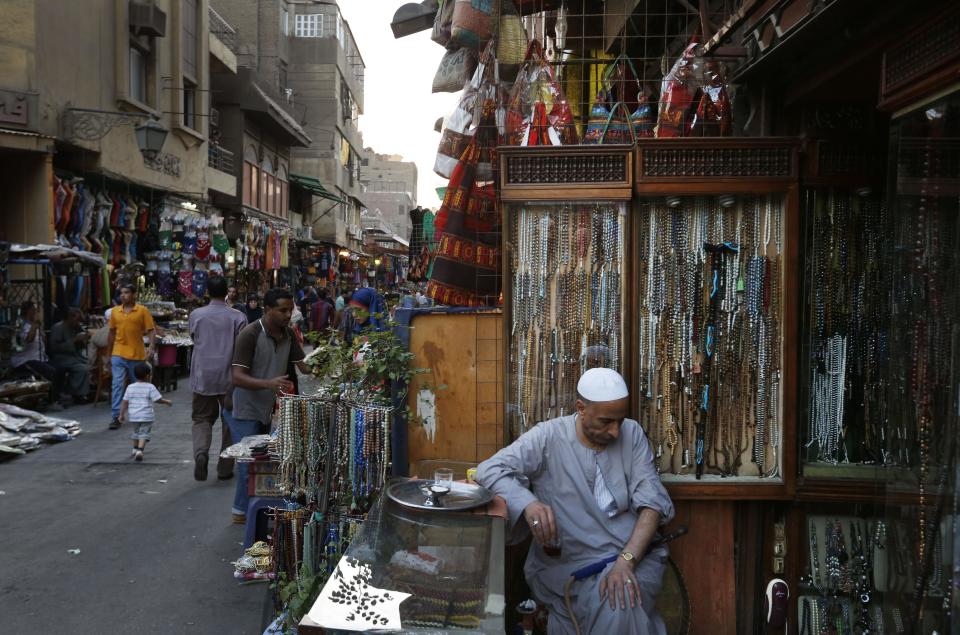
(587,488)
(68,343)
(32,355)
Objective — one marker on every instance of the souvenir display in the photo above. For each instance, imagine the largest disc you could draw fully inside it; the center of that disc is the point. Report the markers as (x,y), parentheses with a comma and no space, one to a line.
(333,452)
(710,284)
(568,281)
(880,353)
(861,574)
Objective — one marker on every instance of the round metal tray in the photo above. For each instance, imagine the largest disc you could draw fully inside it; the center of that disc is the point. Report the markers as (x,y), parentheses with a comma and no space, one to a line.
(415,494)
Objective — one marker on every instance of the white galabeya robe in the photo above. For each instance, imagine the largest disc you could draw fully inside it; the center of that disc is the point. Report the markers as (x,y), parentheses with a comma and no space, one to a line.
(550,465)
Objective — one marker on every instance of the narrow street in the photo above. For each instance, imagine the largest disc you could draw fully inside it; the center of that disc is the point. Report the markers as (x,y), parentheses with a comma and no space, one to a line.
(154,545)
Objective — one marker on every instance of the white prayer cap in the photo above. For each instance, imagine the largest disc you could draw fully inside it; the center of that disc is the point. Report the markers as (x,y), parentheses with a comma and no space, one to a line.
(602,384)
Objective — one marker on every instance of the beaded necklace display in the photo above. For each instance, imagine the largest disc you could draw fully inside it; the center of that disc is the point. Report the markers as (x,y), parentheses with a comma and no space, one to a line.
(708,348)
(567,274)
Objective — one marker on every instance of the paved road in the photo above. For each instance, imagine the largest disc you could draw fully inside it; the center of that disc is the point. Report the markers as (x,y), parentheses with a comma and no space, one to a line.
(155,545)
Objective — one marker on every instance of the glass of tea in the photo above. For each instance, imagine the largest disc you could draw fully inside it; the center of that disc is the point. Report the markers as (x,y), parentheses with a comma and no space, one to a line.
(443,477)
(553,548)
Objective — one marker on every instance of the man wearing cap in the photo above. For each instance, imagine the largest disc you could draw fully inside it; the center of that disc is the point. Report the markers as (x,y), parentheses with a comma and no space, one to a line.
(588,480)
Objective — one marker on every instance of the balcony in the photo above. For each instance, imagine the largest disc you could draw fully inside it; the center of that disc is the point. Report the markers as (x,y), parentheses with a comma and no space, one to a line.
(224,32)
(220,158)
(220,175)
(223,45)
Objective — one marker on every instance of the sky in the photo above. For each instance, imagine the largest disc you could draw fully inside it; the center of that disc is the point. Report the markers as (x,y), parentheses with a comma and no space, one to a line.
(399,109)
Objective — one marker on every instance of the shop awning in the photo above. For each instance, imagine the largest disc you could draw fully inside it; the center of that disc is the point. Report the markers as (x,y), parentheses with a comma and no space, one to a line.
(314,186)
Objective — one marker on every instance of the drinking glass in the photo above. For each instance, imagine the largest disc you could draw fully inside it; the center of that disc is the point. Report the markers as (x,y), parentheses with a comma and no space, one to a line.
(444,477)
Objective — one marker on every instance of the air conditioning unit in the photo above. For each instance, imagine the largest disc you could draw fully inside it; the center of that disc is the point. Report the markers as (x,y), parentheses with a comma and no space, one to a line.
(146,18)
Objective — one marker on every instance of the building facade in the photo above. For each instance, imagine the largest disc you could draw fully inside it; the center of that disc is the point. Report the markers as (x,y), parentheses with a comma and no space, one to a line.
(326,77)
(391,185)
(129,61)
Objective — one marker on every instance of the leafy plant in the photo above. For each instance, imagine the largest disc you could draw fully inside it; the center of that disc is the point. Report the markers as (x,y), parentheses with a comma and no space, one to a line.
(365,369)
(298,595)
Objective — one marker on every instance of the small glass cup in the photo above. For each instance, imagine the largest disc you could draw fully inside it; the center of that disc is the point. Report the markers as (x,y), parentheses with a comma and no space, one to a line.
(553,548)
(443,477)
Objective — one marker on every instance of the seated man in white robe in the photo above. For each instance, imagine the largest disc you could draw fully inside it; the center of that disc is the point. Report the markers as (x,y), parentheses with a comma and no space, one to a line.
(589,480)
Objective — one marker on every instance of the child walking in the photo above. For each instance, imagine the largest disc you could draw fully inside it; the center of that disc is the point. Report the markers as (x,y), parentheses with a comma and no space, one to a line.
(137,407)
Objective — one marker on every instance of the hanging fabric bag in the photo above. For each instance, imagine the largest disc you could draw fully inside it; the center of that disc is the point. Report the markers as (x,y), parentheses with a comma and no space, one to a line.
(443,22)
(474,23)
(455,70)
(466,266)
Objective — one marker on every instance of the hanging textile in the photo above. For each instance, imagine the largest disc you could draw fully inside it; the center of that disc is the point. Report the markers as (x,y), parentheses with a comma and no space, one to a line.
(466,267)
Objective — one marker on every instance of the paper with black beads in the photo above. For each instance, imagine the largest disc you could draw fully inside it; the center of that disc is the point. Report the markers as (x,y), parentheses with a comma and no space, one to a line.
(349,603)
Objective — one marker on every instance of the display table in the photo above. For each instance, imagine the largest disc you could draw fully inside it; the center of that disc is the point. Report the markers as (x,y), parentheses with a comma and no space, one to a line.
(450,563)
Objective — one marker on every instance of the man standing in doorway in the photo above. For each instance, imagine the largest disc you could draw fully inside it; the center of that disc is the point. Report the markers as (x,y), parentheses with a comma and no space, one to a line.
(129,323)
(214,329)
(263,352)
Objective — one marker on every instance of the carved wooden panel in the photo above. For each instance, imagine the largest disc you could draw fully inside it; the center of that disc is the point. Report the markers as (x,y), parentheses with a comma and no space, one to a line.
(715,159)
(566,171)
(934,45)
(843,162)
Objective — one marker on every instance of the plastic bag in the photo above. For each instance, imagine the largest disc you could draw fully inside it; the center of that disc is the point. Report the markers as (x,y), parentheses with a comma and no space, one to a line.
(537,111)
(463,123)
(679,94)
(713,117)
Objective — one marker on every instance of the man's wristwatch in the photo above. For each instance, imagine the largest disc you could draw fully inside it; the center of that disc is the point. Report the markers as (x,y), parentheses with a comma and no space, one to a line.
(629,557)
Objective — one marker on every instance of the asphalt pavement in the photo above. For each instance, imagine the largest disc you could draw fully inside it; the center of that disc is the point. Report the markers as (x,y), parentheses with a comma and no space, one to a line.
(155,545)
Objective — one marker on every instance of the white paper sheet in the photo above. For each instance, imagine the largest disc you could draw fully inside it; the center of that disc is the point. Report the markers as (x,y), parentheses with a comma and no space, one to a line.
(349,603)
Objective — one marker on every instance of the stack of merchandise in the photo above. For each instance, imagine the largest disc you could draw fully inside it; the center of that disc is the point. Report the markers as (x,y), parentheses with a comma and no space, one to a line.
(256,563)
(22,430)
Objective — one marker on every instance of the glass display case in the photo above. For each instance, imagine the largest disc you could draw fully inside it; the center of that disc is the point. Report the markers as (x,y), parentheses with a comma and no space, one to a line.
(451,564)
(709,320)
(714,312)
(568,279)
(880,388)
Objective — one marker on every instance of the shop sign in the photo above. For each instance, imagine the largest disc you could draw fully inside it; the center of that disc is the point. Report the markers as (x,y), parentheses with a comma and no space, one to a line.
(17,108)
(164,162)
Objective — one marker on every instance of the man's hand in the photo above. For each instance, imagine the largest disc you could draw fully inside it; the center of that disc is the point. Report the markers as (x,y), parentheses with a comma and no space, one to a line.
(281,384)
(150,352)
(541,521)
(620,585)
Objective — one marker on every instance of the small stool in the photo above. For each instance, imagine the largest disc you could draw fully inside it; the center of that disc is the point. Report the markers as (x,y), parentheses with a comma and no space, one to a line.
(165,372)
(256,512)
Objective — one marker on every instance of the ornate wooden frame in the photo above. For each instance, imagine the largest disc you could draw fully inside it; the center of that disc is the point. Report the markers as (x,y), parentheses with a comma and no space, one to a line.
(924,61)
(566,173)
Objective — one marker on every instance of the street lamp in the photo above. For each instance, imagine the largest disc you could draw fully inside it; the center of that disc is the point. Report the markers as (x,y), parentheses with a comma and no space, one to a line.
(150,137)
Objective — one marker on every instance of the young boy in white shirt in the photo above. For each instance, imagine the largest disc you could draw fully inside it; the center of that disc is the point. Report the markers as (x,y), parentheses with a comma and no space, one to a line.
(137,407)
